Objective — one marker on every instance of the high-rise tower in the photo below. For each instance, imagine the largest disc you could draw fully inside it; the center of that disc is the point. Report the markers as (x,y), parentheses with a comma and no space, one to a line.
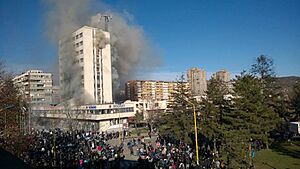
(197,81)
(222,75)
(85,64)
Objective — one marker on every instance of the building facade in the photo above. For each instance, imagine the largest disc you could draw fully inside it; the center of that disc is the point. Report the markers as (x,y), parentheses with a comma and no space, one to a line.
(35,86)
(150,90)
(56,95)
(197,81)
(91,54)
(222,75)
(101,117)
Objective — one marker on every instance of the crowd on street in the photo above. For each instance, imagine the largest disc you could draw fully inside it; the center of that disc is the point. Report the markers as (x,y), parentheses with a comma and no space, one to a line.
(91,150)
(167,153)
(71,150)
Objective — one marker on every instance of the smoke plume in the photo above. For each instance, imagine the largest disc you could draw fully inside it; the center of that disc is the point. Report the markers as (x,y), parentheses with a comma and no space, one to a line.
(129,46)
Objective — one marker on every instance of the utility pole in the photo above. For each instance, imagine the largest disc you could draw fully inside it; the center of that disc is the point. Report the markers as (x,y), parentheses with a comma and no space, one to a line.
(119,127)
(196,132)
(29,110)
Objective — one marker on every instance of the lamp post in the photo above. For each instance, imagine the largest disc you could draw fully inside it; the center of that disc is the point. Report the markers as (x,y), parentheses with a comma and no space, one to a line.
(196,133)
(119,128)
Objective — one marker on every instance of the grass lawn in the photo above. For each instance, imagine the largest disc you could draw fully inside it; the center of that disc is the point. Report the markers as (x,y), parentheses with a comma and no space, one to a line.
(142,130)
(280,156)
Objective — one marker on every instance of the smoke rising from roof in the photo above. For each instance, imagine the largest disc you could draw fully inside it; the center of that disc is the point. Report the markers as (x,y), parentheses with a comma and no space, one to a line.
(130,48)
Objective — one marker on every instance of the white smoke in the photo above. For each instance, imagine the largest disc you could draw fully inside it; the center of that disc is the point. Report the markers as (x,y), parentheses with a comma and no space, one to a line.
(129,47)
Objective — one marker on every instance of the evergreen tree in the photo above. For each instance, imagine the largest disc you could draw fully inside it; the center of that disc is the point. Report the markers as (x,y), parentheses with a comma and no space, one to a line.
(249,104)
(250,115)
(250,119)
(178,121)
(263,68)
(214,106)
(273,98)
(296,100)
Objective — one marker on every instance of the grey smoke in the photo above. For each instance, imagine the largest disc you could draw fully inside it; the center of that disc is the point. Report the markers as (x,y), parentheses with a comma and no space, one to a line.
(65,16)
(129,46)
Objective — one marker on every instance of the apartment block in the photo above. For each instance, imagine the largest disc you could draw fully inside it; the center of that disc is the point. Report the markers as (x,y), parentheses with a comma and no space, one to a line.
(150,90)
(222,75)
(35,86)
(197,81)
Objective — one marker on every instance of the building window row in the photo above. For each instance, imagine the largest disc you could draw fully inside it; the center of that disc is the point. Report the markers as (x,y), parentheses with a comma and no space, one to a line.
(80,35)
(78,44)
(79,52)
(40,76)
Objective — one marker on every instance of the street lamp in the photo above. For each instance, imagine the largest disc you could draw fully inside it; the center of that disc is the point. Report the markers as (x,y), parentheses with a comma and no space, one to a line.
(196,133)
(119,128)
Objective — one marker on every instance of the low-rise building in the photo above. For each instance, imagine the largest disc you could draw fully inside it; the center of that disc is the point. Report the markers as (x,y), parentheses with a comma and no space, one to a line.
(103,117)
(87,117)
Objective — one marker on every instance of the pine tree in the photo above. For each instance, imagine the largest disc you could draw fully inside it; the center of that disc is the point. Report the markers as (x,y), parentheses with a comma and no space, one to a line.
(263,68)
(178,121)
(214,106)
(250,119)
(263,71)
(296,100)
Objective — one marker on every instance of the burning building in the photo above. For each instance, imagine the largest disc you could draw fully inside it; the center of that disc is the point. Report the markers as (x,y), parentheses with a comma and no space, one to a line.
(85,66)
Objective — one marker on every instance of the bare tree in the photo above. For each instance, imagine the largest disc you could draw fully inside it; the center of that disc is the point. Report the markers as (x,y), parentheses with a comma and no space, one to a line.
(12,113)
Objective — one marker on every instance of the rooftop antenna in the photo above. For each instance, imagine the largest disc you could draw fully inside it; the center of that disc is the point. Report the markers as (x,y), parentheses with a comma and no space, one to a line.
(106,18)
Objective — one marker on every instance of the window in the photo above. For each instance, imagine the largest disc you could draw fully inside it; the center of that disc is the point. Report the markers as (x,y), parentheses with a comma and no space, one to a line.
(81,51)
(80,35)
(81,60)
(81,43)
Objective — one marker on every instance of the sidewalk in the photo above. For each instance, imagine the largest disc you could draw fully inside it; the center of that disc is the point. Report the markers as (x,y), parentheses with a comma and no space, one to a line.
(127,151)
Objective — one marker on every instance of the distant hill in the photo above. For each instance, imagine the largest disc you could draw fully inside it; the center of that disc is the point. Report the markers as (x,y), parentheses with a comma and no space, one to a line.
(286,84)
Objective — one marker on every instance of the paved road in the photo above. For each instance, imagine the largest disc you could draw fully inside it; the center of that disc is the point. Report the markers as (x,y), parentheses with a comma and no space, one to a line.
(127,151)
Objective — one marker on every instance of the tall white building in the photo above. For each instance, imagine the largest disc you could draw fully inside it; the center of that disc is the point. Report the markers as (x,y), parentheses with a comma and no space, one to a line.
(91,53)
(35,86)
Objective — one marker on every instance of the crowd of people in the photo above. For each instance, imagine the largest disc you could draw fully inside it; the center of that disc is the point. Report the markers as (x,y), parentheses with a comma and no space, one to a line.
(167,153)
(91,150)
(70,150)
